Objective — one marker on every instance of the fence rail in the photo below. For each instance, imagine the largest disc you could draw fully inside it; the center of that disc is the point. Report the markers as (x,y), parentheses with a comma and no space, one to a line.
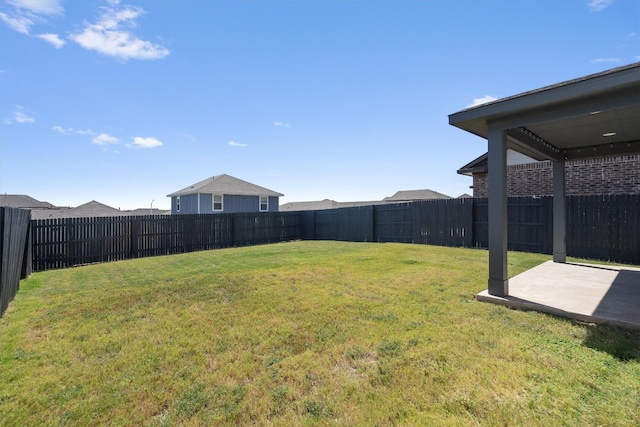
(14,252)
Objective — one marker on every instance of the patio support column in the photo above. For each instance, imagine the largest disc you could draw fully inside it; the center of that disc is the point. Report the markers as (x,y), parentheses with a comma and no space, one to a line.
(498,279)
(559,214)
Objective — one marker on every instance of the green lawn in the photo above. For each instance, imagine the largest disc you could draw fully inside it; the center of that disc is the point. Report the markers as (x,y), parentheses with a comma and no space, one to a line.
(304,333)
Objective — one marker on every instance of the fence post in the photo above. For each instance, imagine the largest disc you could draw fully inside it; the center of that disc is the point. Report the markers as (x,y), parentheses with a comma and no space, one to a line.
(135,230)
(14,227)
(233,230)
(27,267)
(68,237)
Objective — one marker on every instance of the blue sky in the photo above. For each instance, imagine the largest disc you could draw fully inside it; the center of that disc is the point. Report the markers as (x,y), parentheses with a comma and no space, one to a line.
(124,102)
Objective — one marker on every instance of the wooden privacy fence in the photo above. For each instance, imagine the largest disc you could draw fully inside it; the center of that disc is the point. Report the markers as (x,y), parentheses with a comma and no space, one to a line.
(529,219)
(60,243)
(14,252)
(598,227)
(432,222)
(604,227)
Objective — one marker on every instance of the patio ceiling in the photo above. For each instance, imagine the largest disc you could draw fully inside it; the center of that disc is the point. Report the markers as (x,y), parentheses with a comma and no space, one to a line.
(593,116)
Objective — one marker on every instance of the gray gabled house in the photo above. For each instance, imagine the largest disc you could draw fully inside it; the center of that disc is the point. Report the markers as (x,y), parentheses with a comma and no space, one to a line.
(223,194)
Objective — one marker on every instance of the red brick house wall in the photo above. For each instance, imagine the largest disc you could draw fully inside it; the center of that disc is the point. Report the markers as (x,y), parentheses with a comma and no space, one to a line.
(611,175)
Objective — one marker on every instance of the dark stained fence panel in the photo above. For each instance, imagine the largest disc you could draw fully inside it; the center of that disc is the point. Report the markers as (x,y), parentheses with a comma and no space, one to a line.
(308,225)
(604,227)
(395,223)
(480,223)
(60,243)
(14,231)
(327,224)
(355,224)
(530,224)
(446,222)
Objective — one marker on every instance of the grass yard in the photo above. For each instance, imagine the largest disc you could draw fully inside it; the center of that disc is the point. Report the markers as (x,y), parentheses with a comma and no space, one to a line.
(304,333)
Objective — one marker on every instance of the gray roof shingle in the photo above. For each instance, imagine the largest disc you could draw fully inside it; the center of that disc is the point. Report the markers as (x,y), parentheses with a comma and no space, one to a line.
(225,184)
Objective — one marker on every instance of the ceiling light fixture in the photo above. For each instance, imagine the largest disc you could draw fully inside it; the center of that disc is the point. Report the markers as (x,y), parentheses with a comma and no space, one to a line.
(595,112)
(609,134)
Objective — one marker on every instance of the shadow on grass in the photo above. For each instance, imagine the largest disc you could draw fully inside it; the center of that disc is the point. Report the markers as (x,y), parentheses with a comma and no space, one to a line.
(623,344)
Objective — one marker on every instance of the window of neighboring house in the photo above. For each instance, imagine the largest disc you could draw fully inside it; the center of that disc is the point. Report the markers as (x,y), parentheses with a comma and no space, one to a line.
(264,203)
(217,202)
(178,204)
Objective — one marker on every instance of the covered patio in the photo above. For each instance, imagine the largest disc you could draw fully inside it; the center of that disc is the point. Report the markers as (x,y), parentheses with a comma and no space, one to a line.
(589,117)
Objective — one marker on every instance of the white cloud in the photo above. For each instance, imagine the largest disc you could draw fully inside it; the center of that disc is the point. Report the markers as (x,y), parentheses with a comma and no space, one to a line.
(236,144)
(53,39)
(111,35)
(605,60)
(26,13)
(479,101)
(21,24)
(18,116)
(105,139)
(598,5)
(281,125)
(21,117)
(40,7)
(62,130)
(86,132)
(148,142)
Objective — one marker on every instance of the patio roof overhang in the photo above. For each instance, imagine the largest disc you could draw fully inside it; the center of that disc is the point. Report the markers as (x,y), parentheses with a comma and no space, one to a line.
(593,116)
(589,117)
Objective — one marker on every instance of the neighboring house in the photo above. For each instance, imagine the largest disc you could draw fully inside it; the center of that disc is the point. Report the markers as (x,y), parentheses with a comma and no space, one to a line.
(398,197)
(146,211)
(39,210)
(88,210)
(45,210)
(323,204)
(223,194)
(415,195)
(528,177)
(23,202)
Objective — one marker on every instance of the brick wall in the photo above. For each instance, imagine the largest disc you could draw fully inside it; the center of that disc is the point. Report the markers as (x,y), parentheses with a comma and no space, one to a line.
(610,175)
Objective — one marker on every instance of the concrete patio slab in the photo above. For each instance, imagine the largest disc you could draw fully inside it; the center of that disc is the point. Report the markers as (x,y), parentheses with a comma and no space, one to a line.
(590,293)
